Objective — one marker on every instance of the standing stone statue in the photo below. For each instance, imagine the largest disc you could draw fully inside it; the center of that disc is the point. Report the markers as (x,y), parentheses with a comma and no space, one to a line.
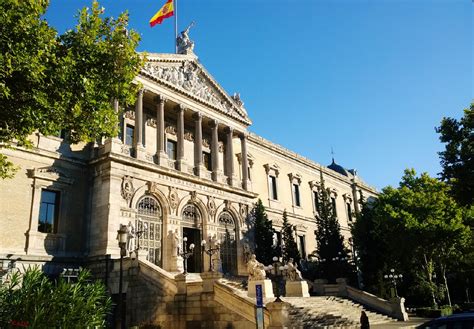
(256,269)
(130,237)
(185,44)
(175,245)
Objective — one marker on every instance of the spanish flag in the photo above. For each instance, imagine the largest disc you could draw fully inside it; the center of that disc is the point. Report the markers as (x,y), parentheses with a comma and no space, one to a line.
(166,11)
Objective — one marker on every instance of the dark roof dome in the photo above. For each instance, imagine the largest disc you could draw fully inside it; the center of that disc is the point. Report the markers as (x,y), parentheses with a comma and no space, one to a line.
(337,168)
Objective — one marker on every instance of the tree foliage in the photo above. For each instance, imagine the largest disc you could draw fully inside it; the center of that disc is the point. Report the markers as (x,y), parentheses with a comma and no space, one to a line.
(331,251)
(263,234)
(457,160)
(33,300)
(416,228)
(51,82)
(290,248)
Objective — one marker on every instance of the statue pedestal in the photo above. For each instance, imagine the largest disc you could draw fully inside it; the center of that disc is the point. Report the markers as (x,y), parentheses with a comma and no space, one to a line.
(296,289)
(267,288)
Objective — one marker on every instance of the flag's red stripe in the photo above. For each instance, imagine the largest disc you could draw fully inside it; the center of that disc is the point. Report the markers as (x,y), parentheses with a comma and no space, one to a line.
(161,18)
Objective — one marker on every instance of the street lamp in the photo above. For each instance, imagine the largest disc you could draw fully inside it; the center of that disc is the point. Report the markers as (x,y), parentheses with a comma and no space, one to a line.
(210,251)
(142,228)
(392,277)
(186,254)
(277,270)
(122,237)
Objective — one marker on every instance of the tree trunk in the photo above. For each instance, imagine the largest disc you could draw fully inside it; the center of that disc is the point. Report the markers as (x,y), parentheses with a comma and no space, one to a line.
(429,271)
(443,269)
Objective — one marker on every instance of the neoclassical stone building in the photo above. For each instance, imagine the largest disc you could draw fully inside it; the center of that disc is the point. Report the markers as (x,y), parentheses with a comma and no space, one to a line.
(184,165)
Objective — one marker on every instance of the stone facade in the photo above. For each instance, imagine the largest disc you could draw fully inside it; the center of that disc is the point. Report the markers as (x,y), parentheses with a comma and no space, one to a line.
(184,165)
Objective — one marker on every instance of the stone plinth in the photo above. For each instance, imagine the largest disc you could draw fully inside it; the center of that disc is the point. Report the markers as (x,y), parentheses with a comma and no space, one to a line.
(296,289)
(278,315)
(267,288)
(318,286)
(208,279)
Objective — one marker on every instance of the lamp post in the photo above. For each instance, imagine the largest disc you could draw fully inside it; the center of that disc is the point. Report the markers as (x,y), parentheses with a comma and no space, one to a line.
(122,236)
(186,254)
(277,270)
(142,228)
(392,277)
(210,251)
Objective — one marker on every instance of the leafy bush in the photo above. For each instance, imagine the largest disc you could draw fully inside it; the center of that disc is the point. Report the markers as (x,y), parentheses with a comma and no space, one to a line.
(32,299)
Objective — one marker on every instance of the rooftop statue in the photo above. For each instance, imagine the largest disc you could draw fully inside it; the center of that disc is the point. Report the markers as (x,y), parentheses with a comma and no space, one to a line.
(185,44)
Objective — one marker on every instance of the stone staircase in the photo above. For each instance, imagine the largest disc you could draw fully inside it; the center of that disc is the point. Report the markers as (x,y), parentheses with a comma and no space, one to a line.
(319,312)
(328,312)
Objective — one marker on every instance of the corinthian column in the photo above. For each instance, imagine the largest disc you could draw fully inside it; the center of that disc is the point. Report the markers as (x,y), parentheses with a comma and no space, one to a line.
(161,155)
(245,162)
(198,168)
(180,131)
(138,140)
(216,172)
(229,156)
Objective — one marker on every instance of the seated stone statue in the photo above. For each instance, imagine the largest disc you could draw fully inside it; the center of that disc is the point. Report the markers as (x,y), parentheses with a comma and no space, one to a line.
(256,269)
(293,274)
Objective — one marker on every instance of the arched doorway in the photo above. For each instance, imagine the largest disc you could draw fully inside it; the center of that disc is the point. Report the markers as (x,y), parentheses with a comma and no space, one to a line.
(149,225)
(227,235)
(191,225)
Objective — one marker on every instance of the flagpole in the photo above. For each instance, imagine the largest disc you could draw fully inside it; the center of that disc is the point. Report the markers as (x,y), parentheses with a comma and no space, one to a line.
(176,25)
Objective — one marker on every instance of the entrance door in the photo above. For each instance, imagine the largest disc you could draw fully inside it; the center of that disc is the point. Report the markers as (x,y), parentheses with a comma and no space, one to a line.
(195,260)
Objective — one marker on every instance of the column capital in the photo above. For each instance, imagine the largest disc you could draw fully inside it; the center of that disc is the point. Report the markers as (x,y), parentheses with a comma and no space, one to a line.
(141,91)
(228,130)
(213,123)
(180,108)
(197,116)
(243,135)
(160,99)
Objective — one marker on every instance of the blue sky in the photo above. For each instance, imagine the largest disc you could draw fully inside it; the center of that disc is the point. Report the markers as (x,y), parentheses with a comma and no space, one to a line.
(369,78)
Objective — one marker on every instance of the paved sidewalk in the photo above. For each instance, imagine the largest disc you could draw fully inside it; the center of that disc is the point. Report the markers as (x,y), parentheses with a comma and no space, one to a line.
(412,323)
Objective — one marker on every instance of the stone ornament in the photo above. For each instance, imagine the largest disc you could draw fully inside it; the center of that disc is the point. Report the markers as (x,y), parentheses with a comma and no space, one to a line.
(127,188)
(211,205)
(152,187)
(205,142)
(171,130)
(151,122)
(243,210)
(256,269)
(193,196)
(129,115)
(189,136)
(173,197)
(221,147)
(293,274)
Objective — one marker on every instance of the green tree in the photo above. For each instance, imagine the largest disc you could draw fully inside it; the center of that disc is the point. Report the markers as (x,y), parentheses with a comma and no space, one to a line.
(290,249)
(33,299)
(417,228)
(51,82)
(331,251)
(457,160)
(263,234)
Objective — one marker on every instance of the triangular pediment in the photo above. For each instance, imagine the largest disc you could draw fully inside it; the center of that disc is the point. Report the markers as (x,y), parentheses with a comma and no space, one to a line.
(185,74)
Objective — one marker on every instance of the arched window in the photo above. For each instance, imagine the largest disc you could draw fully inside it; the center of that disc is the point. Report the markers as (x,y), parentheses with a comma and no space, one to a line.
(191,215)
(149,228)
(227,235)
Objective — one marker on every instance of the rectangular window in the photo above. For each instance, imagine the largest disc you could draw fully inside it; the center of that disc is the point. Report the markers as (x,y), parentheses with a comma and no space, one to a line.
(171,149)
(302,246)
(349,212)
(273,188)
(333,202)
(296,195)
(48,213)
(276,239)
(206,159)
(129,135)
(316,201)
